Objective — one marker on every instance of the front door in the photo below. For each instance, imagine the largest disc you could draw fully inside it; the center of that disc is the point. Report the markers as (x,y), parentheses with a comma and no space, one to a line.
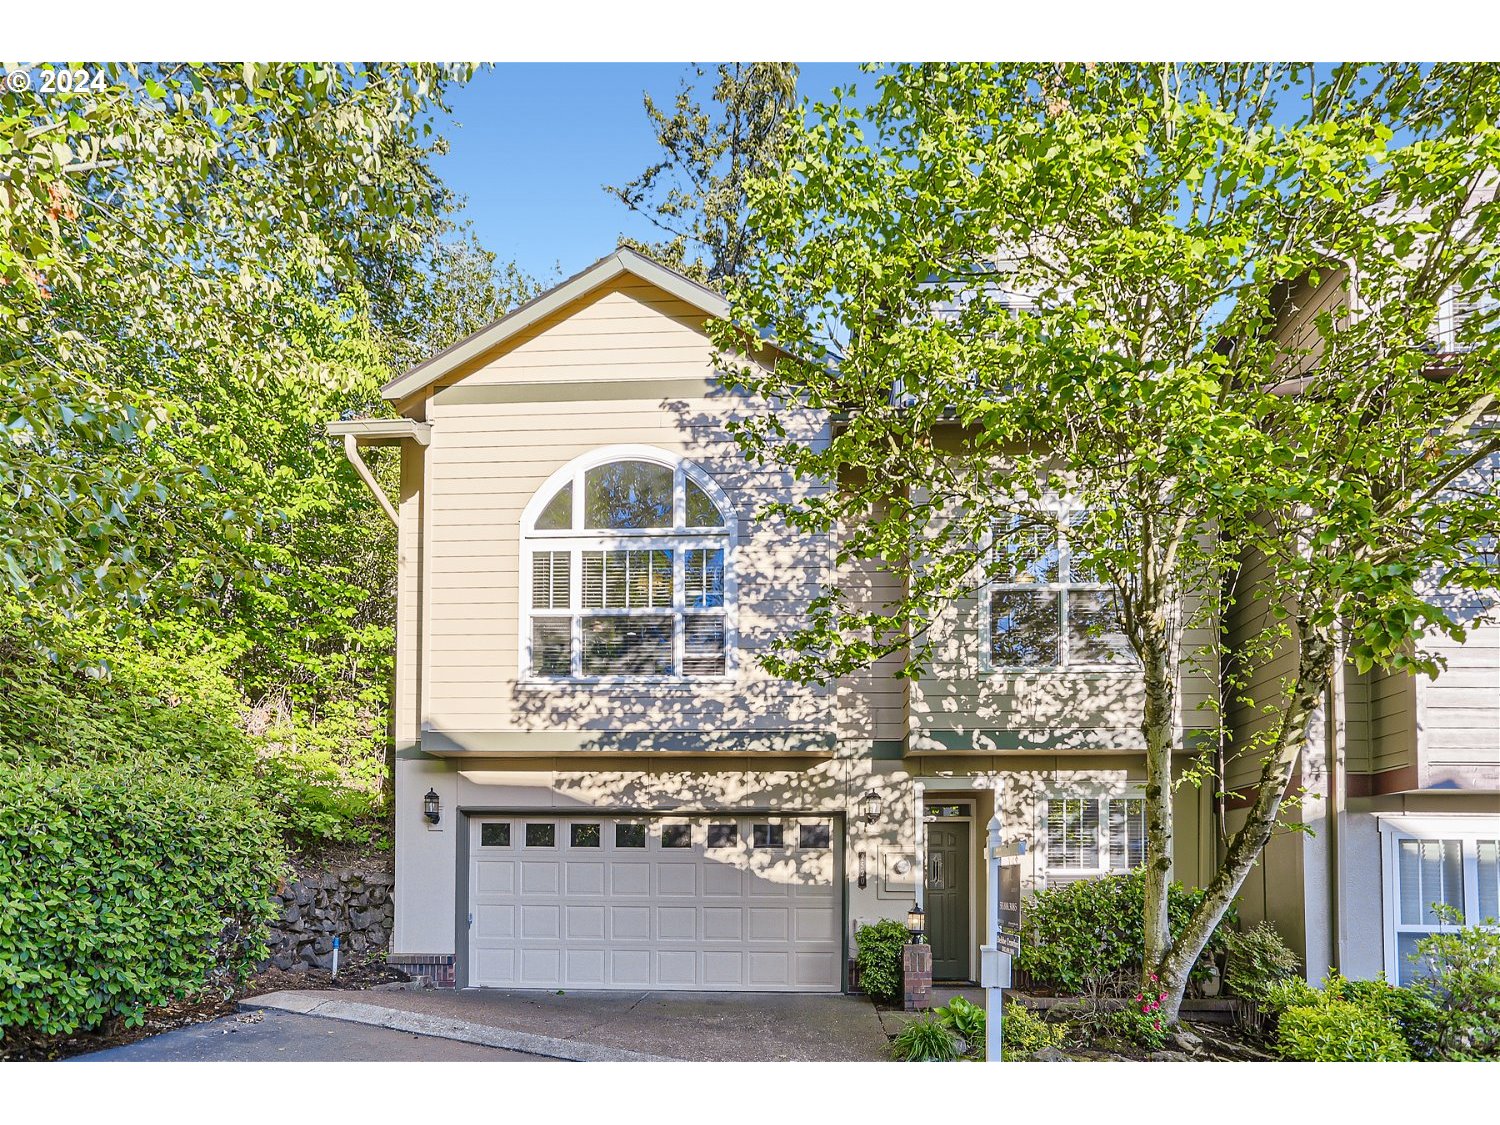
(947,899)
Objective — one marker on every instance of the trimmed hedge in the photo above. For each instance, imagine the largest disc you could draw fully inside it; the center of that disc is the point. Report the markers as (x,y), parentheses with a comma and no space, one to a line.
(123,887)
(1095,929)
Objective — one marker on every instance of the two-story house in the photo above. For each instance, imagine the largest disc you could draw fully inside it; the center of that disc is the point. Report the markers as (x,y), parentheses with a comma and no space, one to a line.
(598,786)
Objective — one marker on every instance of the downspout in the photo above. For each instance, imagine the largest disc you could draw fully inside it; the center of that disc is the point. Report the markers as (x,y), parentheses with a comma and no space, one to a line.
(351,451)
(1337,736)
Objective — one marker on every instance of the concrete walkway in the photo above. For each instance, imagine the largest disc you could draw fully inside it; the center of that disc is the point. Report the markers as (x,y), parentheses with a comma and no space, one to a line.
(616,1026)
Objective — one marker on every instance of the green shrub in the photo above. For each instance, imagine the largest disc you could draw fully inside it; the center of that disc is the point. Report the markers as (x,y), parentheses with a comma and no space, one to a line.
(966,1020)
(1339,1031)
(311,797)
(925,1040)
(125,886)
(1459,978)
(879,959)
(1412,1010)
(1144,1029)
(1096,927)
(1293,993)
(1256,960)
(1024,1033)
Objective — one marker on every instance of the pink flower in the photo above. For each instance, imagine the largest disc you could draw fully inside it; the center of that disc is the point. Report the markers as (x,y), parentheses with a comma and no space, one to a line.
(1157,1025)
(1163,997)
(1153,976)
(1139,996)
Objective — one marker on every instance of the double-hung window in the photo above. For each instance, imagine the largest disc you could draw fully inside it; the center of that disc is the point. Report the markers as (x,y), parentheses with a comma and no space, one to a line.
(1046,610)
(1437,881)
(625,573)
(1093,835)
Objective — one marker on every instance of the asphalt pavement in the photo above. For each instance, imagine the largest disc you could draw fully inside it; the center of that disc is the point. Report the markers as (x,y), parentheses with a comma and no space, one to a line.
(274,1036)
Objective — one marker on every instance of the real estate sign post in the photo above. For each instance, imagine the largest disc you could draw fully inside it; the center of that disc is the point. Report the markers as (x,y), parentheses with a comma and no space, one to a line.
(1002,929)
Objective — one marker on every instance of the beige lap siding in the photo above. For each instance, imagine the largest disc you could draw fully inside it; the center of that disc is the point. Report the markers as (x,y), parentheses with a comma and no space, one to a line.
(486,463)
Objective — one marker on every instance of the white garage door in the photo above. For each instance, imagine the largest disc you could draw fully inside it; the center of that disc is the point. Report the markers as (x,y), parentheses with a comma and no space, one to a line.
(705,902)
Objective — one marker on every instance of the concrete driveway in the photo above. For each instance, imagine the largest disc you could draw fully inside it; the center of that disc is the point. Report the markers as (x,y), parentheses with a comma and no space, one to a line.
(276,1036)
(621,1026)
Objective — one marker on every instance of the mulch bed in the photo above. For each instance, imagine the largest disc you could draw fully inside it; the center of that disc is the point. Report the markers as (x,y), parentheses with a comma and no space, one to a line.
(355,971)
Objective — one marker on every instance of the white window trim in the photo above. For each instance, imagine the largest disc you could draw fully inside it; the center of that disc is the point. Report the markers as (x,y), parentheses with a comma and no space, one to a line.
(1095,791)
(679,538)
(1466,831)
(1061,510)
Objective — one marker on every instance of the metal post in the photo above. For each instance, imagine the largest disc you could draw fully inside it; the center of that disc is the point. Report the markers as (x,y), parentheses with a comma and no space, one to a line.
(994,972)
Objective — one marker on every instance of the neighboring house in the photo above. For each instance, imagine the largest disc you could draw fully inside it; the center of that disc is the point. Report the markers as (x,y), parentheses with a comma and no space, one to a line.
(623,797)
(1401,776)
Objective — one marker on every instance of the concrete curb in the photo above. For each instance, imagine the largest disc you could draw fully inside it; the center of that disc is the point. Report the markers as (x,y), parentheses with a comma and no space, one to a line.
(442,1028)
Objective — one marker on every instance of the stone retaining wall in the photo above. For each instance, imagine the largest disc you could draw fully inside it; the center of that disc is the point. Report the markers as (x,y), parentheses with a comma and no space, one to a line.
(353,905)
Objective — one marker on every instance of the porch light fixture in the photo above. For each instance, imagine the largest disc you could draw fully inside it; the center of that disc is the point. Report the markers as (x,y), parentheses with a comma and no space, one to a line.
(431,807)
(872,807)
(915,917)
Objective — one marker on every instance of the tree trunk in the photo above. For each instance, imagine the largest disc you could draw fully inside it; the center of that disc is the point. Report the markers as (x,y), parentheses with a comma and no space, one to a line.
(1314,671)
(1159,730)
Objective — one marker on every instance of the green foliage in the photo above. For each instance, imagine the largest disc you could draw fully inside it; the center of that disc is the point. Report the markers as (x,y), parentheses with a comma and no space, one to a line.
(1339,1031)
(695,194)
(196,260)
(966,1020)
(1144,1029)
(879,959)
(926,1039)
(1257,960)
(1460,982)
(1025,1033)
(1413,1010)
(1094,928)
(1292,993)
(124,886)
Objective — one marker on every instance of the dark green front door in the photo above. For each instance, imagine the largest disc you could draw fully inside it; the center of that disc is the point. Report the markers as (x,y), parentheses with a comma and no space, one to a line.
(947,902)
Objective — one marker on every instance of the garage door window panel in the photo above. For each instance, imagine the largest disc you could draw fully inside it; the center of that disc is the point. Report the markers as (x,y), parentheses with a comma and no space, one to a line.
(541,835)
(494,835)
(585,835)
(766,836)
(630,836)
(635,582)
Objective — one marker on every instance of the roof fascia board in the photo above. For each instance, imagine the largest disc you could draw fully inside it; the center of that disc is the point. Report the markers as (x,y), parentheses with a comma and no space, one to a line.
(601,272)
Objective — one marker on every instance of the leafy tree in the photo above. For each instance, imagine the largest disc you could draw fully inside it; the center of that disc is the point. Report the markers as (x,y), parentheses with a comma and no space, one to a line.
(462,288)
(186,255)
(695,194)
(203,264)
(1018,282)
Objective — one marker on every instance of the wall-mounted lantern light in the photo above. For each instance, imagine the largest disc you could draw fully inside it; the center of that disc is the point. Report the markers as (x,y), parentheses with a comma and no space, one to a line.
(431,807)
(872,807)
(915,918)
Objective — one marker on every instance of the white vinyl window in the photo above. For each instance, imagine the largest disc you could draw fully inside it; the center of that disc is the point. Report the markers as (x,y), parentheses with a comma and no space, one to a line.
(1047,611)
(1094,835)
(1464,315)
(1426,874)
(626,572)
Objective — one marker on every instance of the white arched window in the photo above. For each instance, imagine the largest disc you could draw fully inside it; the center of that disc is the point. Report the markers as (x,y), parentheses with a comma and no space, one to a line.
(626,571)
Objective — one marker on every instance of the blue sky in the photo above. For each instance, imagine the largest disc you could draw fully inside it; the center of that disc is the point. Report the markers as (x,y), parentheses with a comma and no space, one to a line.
(532,144)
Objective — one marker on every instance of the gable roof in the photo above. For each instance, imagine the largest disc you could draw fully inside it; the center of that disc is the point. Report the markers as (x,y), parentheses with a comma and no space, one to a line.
(606,269)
